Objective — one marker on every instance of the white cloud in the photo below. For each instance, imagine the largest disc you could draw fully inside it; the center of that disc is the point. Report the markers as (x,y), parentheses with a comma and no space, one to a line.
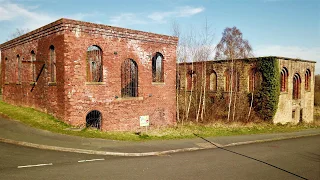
(26,18)
(291,52)
(125,19)
(19,16)
(185,11)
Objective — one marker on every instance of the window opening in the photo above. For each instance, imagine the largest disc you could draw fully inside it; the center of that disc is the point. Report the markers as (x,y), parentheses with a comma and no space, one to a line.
(284,80)
(255,79)
(191,80)
(33,66)
(94,64)
(129,78)
(157,68)
(93,119)
(19,68)
(235,79)
(53,63)
(307,80)
(213,82)
(6,70)
(296,87)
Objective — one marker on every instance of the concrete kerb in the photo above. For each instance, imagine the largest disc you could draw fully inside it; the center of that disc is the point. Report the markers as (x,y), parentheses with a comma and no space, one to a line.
(155,153)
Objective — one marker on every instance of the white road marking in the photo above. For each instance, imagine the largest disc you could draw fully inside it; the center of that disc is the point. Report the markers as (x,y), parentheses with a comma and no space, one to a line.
(36,165)
(90,160)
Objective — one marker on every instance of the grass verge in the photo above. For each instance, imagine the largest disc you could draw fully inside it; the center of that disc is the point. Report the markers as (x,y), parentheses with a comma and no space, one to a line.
(40,120)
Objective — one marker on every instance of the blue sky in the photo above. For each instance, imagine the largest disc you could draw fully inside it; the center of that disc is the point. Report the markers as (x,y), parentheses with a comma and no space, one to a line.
(288,28)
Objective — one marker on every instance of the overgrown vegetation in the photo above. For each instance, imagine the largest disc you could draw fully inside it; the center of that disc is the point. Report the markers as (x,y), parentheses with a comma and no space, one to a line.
(44,121)
(266,98)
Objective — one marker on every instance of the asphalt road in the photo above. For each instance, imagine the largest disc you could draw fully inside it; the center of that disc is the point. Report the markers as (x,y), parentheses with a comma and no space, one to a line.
(287,159)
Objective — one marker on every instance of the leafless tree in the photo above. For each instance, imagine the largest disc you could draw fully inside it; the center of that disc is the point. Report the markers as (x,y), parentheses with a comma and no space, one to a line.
(18,32)
(232,46)
(193,47)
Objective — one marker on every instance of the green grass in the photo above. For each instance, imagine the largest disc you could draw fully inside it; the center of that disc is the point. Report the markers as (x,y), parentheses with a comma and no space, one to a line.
(34,118)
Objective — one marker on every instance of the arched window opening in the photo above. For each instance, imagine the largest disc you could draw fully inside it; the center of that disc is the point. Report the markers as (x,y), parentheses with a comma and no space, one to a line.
(157,68)
(228,75)
(255,79)
(129,78)
(6,70)
(296,94)
(19,68)
(307,80)
(284,80)
(213,81)
(94,64)
(93,119)
(33,66)
(191,80)
(53,64)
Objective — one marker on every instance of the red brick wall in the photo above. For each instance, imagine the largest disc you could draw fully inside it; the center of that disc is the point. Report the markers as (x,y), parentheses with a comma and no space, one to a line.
(72,98)
(155,100)
(44,97)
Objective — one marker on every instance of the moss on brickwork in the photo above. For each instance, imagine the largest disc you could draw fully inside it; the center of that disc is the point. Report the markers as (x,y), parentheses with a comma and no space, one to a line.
(266,98)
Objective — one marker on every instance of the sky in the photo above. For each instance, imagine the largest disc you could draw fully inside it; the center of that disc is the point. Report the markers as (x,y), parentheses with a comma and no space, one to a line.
(289,28)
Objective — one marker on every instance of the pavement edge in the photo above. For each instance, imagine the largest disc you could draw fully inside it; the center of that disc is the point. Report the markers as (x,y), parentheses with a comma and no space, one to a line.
(154,153)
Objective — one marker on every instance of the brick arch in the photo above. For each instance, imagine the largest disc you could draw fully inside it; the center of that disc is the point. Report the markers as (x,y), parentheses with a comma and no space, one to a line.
(227,78)
(212,81)
(296,90)
(129,78)
(307,80)
(284,74)
(87,113)
(94,62)
(157,73)
(254,79)
(33,65)
(52,62)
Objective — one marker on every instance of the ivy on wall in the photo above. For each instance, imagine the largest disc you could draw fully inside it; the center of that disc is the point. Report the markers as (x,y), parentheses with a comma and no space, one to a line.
(266,98)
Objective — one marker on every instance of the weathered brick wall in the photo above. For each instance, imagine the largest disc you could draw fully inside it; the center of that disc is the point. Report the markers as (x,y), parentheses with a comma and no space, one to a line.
(44,97)
(71,97)
(155,99)
(217,101)
(287,105)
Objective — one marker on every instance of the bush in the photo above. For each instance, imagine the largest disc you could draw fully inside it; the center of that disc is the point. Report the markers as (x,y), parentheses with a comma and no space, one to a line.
(266,98)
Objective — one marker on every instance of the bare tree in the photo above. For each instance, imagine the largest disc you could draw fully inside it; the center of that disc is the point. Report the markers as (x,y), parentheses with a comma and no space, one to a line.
(193,47)
(232,46)
(18,32)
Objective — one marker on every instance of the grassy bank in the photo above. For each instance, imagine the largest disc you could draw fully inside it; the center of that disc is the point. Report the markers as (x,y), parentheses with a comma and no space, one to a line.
(44,121)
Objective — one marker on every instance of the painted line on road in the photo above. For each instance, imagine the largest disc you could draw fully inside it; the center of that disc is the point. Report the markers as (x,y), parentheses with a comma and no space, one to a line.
(36,165)
(90,160)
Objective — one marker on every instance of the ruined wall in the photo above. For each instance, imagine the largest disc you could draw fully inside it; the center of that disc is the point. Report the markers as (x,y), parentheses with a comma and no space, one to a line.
(71,97)
(43,97)
(218,100)
(154,99)
(302,108)
(289,109)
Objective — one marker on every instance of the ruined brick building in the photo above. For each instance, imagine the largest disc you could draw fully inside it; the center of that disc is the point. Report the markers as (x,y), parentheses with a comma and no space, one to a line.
(296,99)
(108,77)
(92,74)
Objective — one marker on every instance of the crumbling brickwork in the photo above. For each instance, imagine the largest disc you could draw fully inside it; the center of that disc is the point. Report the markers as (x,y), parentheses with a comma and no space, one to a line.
(246,78)
(71,97)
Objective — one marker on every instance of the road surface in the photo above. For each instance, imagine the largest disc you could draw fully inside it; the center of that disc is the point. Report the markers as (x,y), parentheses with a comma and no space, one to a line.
(287,159)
